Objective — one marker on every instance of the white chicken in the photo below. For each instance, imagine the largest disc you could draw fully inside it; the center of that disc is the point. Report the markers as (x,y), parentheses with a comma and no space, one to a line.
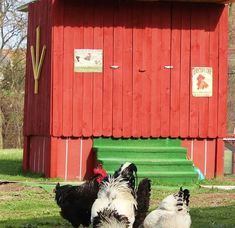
(173,212)
(116,205)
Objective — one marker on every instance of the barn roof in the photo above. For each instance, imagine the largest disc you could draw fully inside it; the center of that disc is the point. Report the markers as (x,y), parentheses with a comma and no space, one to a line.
(24,8)
(198,1)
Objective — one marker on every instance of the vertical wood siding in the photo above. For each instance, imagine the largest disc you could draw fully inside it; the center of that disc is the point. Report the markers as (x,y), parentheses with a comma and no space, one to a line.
(74,158)
(37,106)
(141,98)
(37,156)
(203,153)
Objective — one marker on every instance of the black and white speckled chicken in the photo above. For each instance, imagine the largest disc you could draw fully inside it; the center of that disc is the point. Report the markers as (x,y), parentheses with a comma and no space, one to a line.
(116,204)
(173,212)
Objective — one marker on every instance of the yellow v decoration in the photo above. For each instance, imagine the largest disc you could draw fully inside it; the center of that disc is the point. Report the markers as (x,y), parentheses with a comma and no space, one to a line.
(37,61)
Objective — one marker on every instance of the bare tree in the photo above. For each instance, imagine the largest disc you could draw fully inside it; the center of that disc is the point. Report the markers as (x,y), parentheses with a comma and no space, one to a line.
(13,25)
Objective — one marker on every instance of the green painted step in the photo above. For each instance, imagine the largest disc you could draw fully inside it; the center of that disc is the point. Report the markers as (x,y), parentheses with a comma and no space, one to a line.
(140,152)
(161,160)
(158,149)
(135,142)
(151,165)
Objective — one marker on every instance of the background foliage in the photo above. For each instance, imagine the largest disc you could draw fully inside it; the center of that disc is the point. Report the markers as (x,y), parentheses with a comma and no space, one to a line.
(13,25)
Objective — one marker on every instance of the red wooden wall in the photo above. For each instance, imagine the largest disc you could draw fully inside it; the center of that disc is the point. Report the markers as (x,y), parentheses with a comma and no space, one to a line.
(207,155)
(67,158)
(141,98)
(38,106)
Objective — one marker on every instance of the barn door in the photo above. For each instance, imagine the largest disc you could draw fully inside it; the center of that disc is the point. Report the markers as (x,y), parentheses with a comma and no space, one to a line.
(141,70)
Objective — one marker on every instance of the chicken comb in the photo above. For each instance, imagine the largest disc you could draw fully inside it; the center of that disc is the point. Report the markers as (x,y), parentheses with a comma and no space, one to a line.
(99,170)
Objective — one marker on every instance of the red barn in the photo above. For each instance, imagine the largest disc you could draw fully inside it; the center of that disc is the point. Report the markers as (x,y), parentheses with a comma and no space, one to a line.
(146,73)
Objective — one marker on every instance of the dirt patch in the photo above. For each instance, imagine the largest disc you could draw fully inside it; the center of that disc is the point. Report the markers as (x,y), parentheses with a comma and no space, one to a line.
(10,187)
(15,187)
(212,199)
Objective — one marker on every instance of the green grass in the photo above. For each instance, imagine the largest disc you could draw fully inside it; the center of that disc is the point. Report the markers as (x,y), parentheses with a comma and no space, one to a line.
(29,205)
(11,168)
(216,217)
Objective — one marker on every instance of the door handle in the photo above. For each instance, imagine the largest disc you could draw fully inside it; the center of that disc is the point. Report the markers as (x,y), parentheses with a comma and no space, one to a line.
(114,67)
(168,67)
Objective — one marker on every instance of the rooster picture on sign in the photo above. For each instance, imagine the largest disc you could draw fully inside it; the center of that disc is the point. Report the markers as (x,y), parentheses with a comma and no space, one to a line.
(201,84)
(202,81)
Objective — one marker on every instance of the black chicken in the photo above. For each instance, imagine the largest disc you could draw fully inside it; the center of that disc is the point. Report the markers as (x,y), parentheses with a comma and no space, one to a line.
(76,201)
(143,201)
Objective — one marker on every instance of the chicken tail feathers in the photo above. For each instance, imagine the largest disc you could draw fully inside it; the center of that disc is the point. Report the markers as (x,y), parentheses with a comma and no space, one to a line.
(108,218)
(143,201)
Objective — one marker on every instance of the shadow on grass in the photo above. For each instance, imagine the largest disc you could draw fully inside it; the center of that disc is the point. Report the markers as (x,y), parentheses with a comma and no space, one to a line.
(45,222)
(213,217)
(11,167)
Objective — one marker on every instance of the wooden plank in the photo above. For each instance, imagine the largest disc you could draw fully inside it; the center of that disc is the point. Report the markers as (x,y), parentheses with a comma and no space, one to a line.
(127,70)
(223,72)
(203,20)
(98,77)
(67,77)
(108,72)
(185,72)
(54,157)
(117,73)
(156,68)
(78,39)
(73,158)
(146,75)
(137,68)
(38,155)
(165,73)
(175,72)
(219,169)
(195,62)
(88,77)
(88,159)
(38,118)
(36,111)
(215,12)
(57,67)
(61,157)
(44,81)
(47,156)
(48,86)
(26,153)
(32,153)
(211,145)
(187,143)
(199,154)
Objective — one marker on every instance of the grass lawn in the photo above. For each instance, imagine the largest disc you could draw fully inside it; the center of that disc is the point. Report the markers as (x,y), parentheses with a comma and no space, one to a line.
(30,204)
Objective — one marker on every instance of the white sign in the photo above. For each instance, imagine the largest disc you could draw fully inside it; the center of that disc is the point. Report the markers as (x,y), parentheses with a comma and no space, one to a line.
(88,60)
(202,81)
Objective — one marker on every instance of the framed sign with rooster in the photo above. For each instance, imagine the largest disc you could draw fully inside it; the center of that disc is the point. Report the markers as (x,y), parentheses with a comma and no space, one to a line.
(202,81)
